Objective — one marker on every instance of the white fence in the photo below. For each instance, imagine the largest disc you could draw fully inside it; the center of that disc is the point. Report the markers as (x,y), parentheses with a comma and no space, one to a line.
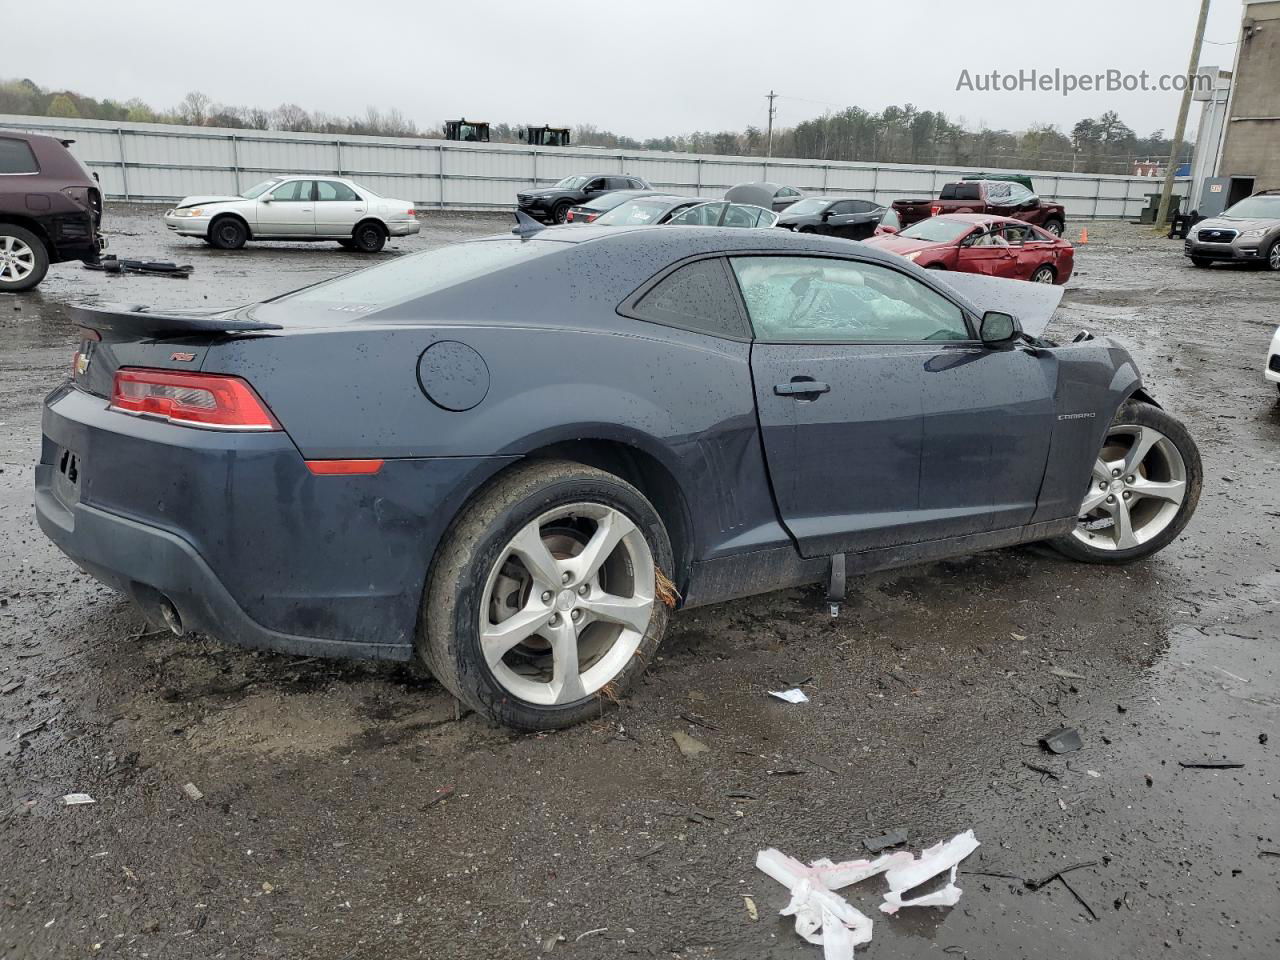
(155,162)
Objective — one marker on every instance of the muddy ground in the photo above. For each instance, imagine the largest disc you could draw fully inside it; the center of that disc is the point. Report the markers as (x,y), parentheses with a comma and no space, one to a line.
(321,832)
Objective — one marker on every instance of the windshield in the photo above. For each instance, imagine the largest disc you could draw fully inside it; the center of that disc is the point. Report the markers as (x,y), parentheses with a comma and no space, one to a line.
(635,213)
(937,230)
(405,278)
(256,191)
(807,207)
(570,183)
(1256,208)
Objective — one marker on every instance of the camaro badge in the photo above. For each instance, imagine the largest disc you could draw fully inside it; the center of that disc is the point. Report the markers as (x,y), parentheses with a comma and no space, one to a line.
(182,357)
(1076,416)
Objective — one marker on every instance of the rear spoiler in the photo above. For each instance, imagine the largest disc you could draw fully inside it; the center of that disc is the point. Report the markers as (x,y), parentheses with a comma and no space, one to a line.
(134,319)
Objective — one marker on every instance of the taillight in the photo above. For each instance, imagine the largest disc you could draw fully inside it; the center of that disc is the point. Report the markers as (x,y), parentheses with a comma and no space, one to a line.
(568,217)
(207,400)
(934,211)
(591,216)
(411,212)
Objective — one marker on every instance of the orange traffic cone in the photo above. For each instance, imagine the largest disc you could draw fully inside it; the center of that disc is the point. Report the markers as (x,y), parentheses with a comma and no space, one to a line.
(1084,234)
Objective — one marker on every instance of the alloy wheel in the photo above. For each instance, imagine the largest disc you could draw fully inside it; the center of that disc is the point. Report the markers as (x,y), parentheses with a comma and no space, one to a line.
(1273,257)
(567,604)
(1043,275)
(17,260)
(1137,485)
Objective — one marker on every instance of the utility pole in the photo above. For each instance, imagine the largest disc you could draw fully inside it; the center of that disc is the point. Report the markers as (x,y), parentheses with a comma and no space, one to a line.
(771,96)
(1162,215)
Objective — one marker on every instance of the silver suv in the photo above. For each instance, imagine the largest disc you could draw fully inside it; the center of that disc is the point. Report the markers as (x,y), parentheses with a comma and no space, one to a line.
(1248,231)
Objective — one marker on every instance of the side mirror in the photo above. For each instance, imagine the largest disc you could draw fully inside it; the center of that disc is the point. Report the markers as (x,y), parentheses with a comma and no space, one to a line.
(265,198)
(998,329)
(826,215)
(883,230)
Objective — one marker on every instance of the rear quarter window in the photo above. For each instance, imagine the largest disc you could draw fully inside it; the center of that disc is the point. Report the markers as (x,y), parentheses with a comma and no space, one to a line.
(698,296)
(16,156)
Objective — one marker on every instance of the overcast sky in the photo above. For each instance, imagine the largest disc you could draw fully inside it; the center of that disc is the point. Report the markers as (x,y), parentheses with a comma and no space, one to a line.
(640,68)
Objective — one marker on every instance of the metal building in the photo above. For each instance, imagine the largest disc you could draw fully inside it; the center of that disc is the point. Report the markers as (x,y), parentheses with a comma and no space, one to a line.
(1251,144)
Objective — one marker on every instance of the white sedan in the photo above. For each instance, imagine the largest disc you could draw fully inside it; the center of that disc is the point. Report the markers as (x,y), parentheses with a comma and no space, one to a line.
(296,208)
(1272,371)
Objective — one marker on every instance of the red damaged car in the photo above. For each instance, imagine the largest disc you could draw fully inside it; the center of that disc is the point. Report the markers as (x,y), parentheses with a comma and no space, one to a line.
(979,243)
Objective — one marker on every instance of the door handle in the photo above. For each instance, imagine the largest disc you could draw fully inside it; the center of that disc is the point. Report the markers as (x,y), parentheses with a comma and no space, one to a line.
(800,388)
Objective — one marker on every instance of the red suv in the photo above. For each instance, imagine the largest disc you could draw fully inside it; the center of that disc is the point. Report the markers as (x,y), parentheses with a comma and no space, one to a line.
(50,209)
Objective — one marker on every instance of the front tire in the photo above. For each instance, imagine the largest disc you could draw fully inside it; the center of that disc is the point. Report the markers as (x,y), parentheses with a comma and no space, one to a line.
(23,259)
(228,233)
(1143,489)
(544,602)
(369,237)
(560,212)
(1273,256)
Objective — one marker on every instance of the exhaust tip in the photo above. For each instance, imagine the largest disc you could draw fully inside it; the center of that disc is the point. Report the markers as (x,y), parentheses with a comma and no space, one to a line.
(172,619)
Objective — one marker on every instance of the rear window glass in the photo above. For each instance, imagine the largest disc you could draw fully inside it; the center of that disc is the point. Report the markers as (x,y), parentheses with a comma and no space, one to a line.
(16,157)
(419,274)
(961,191)
(696,297)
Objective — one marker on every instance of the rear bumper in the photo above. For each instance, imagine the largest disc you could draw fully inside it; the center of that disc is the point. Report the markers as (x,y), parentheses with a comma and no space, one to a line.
(403,228)
(146,563)
(247,544)
(1272,369)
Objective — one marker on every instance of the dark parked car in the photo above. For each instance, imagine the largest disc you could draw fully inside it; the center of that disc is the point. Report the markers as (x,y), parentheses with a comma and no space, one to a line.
(473,455)
(771,196)
(551,204)
(592,210)
(647,210)
(850,217)
(50,209)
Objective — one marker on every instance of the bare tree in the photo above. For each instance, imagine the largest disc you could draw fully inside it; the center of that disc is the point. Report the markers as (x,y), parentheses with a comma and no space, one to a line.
(194,108)
(290,116)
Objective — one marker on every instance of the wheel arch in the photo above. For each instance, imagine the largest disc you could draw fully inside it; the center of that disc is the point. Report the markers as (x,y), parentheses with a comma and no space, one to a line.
(235,215)
(376,221)
(647,473)
(32,224)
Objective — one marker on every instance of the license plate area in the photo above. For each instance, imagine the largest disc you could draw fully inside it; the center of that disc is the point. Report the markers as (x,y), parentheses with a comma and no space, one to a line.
(66,476)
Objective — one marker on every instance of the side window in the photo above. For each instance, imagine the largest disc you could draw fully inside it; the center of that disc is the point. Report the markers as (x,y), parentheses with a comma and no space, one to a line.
(788,192)
(292,192)
(637,185)
(862,206)
(997,192)
(329,190)
(843,207)
(740,215)
(1018,193)
(703,215)
(803,299)
(698,297)
(597,184)
(16,157)
(1017,234)
(967,191)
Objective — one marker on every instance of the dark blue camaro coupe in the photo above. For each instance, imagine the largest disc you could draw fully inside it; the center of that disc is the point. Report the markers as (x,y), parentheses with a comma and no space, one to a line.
(513,457)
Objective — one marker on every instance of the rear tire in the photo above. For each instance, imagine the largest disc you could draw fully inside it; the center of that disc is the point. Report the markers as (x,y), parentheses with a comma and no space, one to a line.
(228,233)
(1044,274)
(1147,460)
(552,512)
(24,261)
(1055,226)
(369,237)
